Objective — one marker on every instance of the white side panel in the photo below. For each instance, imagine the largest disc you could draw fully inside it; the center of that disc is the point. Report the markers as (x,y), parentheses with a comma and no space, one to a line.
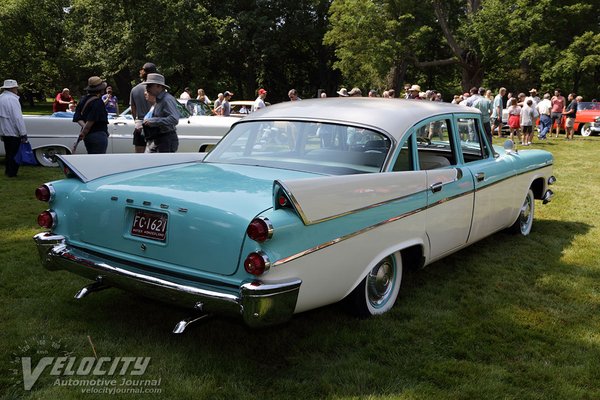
(93,166)
(321,198)
(330,274)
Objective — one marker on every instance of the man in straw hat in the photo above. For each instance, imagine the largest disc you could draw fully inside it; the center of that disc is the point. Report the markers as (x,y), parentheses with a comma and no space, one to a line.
(12,125)
(140,107)
(91,115)
(164,116)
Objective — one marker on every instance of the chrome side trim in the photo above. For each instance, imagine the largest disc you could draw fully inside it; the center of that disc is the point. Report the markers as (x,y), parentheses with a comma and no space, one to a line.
(393,219)
(259,303)
(508,177)
(345,237)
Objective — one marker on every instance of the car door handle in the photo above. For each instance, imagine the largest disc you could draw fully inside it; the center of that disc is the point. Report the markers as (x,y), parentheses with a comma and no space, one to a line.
(480,176)
(436,187)
(120,123)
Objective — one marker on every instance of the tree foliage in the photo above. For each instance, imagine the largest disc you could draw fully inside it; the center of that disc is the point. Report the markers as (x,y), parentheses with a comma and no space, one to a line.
(241,45)
(520,44)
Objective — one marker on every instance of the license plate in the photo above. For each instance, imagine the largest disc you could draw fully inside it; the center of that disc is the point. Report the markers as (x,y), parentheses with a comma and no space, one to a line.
(149,225)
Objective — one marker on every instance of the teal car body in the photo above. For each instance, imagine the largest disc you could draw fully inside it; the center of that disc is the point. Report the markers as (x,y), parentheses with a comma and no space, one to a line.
(299,206)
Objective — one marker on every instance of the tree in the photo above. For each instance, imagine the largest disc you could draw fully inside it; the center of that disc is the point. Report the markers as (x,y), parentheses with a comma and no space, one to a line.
(488,42)
(32,44)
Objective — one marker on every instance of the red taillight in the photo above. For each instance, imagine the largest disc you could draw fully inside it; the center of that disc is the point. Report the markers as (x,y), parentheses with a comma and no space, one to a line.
(260,229)
(46,219)
(43,193)
(282,200)
(257,263)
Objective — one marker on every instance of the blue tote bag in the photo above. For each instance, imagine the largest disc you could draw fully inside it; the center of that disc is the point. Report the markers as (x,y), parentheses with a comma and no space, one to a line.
(25,155)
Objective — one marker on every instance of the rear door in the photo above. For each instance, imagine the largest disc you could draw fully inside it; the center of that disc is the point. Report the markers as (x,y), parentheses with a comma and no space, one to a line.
(450,189)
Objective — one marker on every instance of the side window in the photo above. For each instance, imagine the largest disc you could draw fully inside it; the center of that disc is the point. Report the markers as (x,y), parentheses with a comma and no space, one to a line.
(404,160)
(435,146)
(472,144)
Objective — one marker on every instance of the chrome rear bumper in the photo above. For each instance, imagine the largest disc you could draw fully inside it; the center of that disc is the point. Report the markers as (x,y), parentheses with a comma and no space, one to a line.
(258,303)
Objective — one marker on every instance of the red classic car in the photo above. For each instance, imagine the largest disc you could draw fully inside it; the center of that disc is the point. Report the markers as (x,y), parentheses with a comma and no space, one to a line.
(587,121)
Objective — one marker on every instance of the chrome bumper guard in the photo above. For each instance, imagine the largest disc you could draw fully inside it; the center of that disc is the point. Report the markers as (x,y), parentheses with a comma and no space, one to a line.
(547,196)
(258,303)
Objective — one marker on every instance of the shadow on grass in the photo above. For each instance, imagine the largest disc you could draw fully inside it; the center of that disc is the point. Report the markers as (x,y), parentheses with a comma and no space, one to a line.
(492,313)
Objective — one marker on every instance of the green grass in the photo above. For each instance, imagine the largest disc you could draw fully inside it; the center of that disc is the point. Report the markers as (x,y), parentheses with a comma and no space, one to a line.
(507,318)
(39,108)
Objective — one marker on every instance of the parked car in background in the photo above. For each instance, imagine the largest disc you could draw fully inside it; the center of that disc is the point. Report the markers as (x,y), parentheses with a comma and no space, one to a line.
(242,108)
(587,120)
(300,205)
(51,136)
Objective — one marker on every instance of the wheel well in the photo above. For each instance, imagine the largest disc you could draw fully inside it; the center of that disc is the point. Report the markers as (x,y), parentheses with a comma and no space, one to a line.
(537,187)
(413,257)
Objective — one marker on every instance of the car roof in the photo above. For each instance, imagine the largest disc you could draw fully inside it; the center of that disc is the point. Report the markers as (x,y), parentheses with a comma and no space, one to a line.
(394,116)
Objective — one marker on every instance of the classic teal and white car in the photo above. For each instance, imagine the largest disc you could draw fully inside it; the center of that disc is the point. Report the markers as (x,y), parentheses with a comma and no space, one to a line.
(299,206)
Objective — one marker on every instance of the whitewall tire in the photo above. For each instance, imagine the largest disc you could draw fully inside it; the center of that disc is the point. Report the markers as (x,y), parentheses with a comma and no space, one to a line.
(378,291)
(45,155)
(524,221)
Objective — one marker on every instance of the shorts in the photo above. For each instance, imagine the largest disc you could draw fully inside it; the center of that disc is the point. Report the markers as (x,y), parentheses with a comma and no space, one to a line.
(497,121)
(556,117)
(514,121)
(527,128)
(570,122)
(138,138)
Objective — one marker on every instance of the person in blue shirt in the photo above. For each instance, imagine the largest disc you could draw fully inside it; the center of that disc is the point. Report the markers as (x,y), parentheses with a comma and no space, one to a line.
(110,101)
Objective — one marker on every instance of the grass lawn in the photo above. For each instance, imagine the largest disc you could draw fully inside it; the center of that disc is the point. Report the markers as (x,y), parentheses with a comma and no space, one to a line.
(507,318)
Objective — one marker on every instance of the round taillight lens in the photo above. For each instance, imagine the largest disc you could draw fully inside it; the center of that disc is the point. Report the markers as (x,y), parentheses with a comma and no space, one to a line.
(43,193)
(282,200)
(46,219)
(257,263)
(260,229)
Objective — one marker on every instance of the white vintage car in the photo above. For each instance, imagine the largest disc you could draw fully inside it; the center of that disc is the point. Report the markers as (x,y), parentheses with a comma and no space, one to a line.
(49,135)
(301,205)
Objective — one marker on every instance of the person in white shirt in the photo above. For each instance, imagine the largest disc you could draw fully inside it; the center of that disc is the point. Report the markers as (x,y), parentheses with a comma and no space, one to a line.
(497,108)
(185,95)
(534,97)
(527,119)
(203,97)
(12,125)
(260,100)
(544,108)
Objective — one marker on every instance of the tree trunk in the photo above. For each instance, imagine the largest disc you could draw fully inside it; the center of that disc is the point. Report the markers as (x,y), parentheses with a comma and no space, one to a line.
(123,83)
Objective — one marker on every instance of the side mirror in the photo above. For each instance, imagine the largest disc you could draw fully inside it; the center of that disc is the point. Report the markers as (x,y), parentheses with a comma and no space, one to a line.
(509,147)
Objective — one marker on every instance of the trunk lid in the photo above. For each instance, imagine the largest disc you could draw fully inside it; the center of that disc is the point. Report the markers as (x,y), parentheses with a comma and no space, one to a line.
(204,208)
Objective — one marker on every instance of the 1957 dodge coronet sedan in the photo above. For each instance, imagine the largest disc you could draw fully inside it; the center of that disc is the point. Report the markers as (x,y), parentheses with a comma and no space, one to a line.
(301,205)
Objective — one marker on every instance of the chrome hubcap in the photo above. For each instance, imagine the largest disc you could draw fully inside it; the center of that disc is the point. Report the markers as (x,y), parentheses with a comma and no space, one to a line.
(525,214)
(380,282)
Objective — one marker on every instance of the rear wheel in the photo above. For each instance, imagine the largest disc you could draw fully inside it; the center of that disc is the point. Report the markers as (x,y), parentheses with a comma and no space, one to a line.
(378,291)
(524,221)
(45,155)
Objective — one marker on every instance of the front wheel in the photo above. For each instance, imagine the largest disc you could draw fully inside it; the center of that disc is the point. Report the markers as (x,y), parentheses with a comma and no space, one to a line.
(45,155)
(378,291)
(585,129)
(524,221)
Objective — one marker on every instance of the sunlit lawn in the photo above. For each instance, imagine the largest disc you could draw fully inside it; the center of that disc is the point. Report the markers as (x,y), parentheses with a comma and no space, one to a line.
(507,318)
